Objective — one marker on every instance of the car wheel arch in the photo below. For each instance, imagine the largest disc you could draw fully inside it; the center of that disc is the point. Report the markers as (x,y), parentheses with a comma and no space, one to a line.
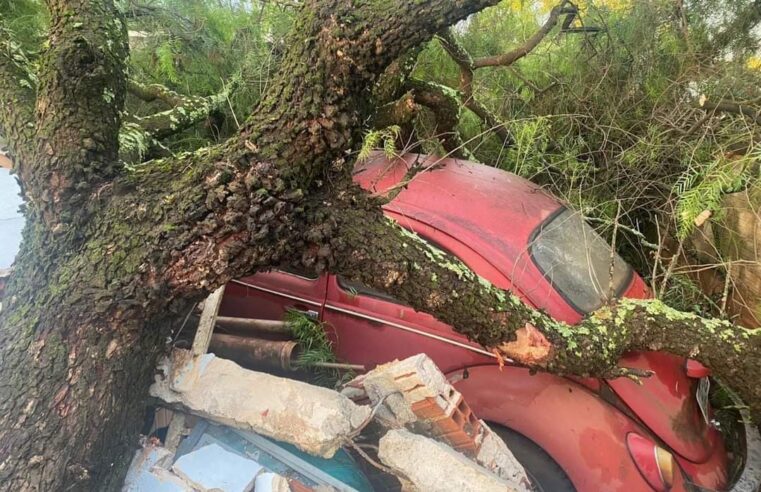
(584,435)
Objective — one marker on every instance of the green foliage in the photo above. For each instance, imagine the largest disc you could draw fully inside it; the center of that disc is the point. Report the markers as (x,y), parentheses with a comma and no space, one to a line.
(196,47)
(133,140)
(315,347)
(165,61)
(699,191)
(611,118)
(683,294)
(27,19)
(384,138)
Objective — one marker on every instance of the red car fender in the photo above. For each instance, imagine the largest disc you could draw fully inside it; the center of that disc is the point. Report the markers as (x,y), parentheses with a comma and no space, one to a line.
(584,435)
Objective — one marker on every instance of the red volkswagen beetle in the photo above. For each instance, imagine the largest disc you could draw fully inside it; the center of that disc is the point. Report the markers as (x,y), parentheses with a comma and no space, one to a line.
(570,433)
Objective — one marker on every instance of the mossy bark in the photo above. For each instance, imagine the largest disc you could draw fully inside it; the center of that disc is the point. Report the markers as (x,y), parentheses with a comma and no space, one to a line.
(78,110)
(110,253)
(430,281)
(86,314)
(18,87)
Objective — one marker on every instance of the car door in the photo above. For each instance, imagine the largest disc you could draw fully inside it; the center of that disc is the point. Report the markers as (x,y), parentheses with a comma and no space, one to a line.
(370,327)
(268,295)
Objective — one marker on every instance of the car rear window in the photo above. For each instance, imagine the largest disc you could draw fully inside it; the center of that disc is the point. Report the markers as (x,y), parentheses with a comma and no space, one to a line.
(577,261)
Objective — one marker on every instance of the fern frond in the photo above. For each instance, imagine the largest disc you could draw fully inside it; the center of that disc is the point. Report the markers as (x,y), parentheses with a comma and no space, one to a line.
(373,140)
(701,190)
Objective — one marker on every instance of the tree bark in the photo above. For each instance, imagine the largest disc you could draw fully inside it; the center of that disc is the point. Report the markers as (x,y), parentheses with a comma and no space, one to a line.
(86,312)
(79,100)
(17,86)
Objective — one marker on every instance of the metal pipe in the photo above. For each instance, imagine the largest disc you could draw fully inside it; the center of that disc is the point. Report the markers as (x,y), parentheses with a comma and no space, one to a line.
(253,326)
(257,352)
(338,365)
(254,352)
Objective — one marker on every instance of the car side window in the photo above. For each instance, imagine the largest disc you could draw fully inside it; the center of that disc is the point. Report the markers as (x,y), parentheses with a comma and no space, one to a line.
(358,288)
(297,272)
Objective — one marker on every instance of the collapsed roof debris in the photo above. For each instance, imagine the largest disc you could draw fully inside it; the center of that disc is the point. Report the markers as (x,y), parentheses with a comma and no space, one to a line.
(237,430)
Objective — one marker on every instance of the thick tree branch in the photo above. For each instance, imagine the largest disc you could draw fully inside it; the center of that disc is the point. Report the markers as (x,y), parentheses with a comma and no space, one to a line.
(724,106)
(464,60)
(140,138)
(328,76)
(81,94)
(17,86)
(401,264)
(445,106)
(443,103)
(390,84)
(399,112)
(188,112)
(507,59)
(152,92)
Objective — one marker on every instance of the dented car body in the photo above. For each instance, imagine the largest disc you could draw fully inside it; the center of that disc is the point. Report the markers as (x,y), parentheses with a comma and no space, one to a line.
(605,434)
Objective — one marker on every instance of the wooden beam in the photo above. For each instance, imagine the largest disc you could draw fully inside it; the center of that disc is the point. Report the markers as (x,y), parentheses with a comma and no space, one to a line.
(208,320)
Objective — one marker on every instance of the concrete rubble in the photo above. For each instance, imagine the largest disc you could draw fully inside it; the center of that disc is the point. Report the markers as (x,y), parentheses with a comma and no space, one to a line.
(208,469)
(148,472)
(434,442)
(212,468)
(431,466)
(416,394)
(314,419)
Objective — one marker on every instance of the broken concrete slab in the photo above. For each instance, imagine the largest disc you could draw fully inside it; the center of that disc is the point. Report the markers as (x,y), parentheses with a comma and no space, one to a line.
(416,394)
(495,456)
(316,420)
(271,482)
(431,466)
(151,455)
(144,460)
(157,480)
(214,468)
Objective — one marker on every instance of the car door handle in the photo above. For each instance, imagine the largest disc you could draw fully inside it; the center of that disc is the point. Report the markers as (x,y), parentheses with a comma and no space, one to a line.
(309,313)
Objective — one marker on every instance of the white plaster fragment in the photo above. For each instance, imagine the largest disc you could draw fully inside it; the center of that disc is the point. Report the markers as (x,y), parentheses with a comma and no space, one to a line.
(314,419)
(431,466)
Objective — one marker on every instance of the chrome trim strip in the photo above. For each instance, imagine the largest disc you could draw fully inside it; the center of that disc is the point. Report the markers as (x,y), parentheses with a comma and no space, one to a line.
(377,320)
(278,293)
(413,330)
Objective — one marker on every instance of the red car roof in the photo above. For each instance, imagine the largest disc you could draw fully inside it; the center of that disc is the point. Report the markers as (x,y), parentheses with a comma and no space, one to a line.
(494,212)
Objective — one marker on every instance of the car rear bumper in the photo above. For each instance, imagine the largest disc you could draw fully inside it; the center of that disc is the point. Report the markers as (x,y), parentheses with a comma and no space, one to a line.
(710,475)
(750,478)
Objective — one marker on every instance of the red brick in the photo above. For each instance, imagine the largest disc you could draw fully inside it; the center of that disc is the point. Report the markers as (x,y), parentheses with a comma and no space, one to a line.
(297,486)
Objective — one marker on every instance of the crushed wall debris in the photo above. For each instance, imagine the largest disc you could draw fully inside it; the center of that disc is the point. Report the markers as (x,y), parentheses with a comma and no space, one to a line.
(314,419)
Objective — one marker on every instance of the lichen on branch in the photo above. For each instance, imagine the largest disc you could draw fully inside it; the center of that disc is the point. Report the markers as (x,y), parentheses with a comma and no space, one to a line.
(414,272)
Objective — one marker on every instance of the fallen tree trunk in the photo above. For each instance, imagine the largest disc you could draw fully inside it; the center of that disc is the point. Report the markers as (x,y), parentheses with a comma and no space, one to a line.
(112,253)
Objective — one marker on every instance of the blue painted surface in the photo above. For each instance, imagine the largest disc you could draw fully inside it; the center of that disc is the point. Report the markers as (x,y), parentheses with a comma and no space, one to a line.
(341,467)
(11,220)
(214,468)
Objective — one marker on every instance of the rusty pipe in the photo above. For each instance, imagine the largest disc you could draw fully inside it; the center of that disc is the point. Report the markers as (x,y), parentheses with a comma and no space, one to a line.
(254,352)
(246,326)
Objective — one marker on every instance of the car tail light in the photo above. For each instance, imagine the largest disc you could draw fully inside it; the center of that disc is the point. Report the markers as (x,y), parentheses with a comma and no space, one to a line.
(655,464)
(695,369)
